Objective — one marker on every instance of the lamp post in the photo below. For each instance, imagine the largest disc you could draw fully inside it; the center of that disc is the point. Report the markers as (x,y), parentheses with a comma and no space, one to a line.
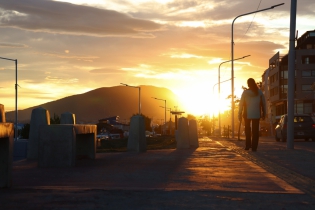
(16,94)
(291,76)
(232,59)
(139,94)
(224,81)
(164,112)
(169,109)
(219,106)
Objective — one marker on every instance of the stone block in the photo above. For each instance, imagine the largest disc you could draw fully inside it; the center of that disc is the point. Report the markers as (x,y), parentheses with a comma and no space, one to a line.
(61,145)
(39,117)
(85,141)
(193,133)
(182,135)
(136,139)
(6,154)
(67,118)
(2,114)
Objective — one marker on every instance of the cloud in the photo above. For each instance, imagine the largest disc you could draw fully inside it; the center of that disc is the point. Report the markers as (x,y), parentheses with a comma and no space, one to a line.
(61,80)
(10,45)
(76,57)
(61,17)
(106,71)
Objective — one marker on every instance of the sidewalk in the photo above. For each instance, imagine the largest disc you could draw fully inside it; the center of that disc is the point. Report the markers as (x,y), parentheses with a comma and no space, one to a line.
(217,175)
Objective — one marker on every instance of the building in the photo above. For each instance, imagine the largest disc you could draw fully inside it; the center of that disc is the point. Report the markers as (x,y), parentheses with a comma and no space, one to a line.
(109,123)
(275,80)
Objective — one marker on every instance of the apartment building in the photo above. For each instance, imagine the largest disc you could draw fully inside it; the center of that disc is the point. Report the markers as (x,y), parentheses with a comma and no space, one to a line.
(275,80)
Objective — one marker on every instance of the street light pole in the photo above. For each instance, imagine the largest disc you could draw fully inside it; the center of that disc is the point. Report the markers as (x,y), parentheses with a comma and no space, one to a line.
(139,94)
(232,59)
(169,109)
(291,75)
(164,112)
(16,95)
(219,90)
(219,106)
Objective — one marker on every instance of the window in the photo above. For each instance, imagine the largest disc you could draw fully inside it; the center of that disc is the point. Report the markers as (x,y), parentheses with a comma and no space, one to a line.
(283,91)
(308,108)
(308,59)
(284,74)
(299,107)
(308,73)
(306,87)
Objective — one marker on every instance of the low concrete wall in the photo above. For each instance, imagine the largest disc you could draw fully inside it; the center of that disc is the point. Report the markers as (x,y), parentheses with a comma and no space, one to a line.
(61,145)
(6,154)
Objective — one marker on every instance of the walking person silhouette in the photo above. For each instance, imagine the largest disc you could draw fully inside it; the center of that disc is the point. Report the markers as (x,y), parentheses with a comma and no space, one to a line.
(252,107)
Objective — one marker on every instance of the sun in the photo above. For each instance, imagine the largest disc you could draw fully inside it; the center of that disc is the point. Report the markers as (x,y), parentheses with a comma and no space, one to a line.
(197,101)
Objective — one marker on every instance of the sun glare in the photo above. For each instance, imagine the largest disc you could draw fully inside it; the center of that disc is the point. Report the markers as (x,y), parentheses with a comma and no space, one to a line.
(197,101)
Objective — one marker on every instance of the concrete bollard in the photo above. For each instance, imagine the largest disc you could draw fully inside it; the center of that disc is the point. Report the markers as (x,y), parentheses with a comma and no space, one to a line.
(2,114)
(136,140)
(182,135)
(67,118)
(40,116)
(193,133)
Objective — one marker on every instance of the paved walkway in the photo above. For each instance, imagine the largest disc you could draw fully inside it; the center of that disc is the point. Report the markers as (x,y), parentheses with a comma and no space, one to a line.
(217,175)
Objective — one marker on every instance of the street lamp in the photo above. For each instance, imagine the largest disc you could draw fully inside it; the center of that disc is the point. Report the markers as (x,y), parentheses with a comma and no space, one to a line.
(168,109)
(219,100)
(164,112)
(232,59)
(16,94)
(291,76)
(139,94)
(224,81)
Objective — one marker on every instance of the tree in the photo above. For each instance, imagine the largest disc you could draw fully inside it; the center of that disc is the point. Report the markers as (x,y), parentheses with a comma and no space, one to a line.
(147,122)
(190,117)
(206,124)
(55,120)
(25,131)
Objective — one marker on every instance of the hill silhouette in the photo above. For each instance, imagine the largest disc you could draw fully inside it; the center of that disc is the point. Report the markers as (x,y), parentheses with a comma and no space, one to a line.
(106,102)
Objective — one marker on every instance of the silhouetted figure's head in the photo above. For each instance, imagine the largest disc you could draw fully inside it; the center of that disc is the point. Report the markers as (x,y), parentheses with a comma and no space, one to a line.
(251,83)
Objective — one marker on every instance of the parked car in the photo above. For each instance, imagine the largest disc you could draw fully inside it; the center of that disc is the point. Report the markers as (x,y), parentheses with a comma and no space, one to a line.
(304,127)
(102,136)
(115,136)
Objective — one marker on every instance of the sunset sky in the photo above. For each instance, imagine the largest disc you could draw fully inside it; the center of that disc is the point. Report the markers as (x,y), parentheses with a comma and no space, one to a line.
(69,47)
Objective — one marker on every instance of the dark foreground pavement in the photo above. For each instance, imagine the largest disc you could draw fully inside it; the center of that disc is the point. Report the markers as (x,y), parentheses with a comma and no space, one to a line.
(217,175)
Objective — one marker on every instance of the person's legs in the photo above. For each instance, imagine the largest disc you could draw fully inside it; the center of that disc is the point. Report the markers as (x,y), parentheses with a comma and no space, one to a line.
(255,132)
(248,134)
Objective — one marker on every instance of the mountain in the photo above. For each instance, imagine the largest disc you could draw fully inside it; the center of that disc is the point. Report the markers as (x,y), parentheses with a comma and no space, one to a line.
(106,102)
